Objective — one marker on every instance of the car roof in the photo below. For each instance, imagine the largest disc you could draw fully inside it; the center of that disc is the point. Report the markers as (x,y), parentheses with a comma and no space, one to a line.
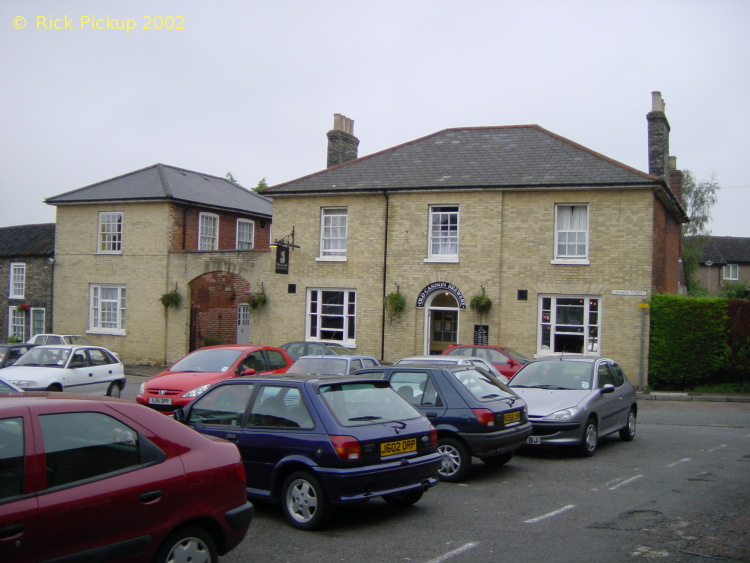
(29,398)
(316,380)
(442,360)
(237,347)
(336,357)
(580,359)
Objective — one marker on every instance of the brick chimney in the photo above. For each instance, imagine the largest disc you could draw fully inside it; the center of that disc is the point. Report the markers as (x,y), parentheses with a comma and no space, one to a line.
(342,144)
(658,138)
(675,178)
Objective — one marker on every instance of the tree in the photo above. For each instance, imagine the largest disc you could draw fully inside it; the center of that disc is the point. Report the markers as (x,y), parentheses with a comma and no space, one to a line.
(232,179)
(262,185)
(698,199)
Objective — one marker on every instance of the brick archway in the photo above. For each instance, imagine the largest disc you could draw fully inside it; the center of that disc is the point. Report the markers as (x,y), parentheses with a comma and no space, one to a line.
(214,298)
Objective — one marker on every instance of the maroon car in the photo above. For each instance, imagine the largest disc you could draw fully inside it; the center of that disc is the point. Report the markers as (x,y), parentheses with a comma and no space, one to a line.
(87,478)
(192,375)
(505,359)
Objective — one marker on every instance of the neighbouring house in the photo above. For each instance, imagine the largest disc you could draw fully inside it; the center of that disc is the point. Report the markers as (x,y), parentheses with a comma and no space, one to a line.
(725,260)
(567,244)
(160,232)
(27,257)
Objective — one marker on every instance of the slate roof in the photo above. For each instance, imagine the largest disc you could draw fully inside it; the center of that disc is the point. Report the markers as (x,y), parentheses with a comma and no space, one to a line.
(161,182)
(27,240)
(727,250)
(523,156)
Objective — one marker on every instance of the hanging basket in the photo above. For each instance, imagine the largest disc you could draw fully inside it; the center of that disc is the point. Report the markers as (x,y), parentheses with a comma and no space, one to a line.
(257,299)
(171,299)
(481,303)
(395,303)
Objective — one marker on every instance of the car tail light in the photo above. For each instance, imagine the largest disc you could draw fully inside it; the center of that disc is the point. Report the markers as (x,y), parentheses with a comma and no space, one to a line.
(239,471)
(433,436)
(485,417)
(347,447)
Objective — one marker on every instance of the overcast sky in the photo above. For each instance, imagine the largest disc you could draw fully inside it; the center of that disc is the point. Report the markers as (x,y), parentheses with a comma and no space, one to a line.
(250,87)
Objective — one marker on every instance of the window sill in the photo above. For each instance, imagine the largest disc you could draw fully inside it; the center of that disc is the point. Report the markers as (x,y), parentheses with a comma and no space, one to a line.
(571,262)
(331,259)
(104,253)
(442,260)
(104,331)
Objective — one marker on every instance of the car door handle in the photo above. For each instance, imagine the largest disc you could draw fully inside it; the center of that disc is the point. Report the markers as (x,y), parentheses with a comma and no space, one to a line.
(150,496)
(10,531)
(431,414)
(231,437)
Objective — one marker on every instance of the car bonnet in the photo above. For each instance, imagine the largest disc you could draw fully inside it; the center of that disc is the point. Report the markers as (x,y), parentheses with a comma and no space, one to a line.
(542,402)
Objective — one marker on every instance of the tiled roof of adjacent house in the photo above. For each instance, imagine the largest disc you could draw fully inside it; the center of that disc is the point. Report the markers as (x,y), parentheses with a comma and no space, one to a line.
(161,182)
(27,240)
(727,250)
(524,156)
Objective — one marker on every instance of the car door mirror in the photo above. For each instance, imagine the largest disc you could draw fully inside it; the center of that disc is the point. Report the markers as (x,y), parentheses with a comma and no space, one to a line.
(248,371)
(608,388)
(179,415)
(76,362)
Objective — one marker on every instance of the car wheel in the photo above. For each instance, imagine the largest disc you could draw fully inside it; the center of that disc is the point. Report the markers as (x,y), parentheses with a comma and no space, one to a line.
(590,439)
(303,501)
(406,498)
(628,433)
(188,544)
(56,387)
(498,460)
(456,461)
(113,390)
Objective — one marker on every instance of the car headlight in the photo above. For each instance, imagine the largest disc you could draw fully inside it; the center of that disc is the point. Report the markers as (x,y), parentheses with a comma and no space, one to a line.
(142,390)
(565,414)
(195,392)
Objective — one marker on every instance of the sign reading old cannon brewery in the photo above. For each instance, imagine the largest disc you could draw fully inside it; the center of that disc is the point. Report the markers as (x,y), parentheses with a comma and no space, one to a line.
(441,286)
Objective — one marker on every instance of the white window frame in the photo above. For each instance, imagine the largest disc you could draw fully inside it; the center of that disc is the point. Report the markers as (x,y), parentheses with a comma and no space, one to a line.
(323,319)
(334,230)
(565,230)
(731,272)
(110,232)
(17,323)
(243,243)
(442,247)
(17,280)
(208,232)
(109,319)
(33,316)
(549,323)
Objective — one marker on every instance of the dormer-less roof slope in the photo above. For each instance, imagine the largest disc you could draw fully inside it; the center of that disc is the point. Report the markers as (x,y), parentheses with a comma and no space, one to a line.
(727,250)
(27,240)
(523,156)
(161,182)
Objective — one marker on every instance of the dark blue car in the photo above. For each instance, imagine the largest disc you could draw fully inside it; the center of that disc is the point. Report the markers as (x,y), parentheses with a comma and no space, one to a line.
(474,413)
(312,443)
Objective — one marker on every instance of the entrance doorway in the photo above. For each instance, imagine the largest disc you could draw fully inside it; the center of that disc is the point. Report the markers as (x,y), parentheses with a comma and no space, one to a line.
(243,323)
(441,323)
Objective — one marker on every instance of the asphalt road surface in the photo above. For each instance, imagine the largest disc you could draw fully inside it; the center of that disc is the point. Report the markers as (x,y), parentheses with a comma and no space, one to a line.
(679,492)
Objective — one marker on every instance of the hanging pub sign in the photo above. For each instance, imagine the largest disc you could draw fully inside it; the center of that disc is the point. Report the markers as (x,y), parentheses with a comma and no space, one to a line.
(282,259)
(481,334)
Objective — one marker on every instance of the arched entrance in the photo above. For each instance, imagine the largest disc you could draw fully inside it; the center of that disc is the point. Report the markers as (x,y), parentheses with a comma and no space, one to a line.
(218,309)
(441,322)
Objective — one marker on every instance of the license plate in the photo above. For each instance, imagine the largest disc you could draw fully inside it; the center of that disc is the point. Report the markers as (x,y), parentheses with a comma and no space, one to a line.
(400,447)
(535,440)
(511,417)
(159,401)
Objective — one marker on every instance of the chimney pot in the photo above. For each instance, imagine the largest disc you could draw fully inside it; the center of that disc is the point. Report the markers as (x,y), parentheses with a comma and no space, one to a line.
(657,102)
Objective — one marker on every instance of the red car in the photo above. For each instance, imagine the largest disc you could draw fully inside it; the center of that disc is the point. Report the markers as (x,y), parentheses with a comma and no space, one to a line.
(192,375)
(505,359)
(86,478)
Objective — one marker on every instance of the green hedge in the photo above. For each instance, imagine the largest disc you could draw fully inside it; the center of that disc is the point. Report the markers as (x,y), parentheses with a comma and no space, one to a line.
(689,342)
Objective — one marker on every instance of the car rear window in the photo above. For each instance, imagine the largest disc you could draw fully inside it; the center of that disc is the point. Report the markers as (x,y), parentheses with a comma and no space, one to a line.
(354,404)
(481,386)
(329,365)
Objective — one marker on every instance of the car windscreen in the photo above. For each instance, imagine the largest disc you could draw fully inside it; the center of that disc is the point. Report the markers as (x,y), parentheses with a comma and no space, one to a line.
(481,386)
(556,375)
(330,365)
(517,355)
(211,360)
(47,356)
(355,404)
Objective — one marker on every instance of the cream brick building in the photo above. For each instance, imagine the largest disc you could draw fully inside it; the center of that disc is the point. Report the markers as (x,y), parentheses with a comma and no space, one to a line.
(123,243)
(568,244)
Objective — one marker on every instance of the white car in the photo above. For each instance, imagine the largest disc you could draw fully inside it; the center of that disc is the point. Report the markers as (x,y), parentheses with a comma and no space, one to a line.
(456,360)
(54,339)
(79,369)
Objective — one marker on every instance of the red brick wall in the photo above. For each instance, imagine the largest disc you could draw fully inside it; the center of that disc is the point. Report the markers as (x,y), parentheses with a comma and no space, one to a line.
(667,251)
(185,229)
(213,300)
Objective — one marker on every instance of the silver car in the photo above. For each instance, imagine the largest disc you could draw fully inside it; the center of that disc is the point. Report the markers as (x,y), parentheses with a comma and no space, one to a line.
(576,402)
(455,360)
